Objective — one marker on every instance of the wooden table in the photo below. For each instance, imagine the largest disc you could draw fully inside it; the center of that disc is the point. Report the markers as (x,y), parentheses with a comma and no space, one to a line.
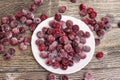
(23,66)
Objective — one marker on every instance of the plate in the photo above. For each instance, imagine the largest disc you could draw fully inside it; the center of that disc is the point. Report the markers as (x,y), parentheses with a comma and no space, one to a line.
(77,66)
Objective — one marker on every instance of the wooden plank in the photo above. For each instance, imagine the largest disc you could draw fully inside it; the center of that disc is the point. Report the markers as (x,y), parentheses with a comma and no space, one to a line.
(98,74)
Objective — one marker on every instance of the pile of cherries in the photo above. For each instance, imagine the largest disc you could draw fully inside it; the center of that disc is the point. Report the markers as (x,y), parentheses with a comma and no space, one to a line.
(12,32)
(62,43)
(89,15)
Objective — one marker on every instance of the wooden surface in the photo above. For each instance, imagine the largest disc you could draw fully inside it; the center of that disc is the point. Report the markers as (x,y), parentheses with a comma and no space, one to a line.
(23,65)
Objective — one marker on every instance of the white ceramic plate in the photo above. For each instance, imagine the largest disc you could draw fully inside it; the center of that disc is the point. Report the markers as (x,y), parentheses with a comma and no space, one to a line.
(77,66)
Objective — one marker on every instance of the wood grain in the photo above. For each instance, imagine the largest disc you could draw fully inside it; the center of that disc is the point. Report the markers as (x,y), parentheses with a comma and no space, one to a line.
(23,65)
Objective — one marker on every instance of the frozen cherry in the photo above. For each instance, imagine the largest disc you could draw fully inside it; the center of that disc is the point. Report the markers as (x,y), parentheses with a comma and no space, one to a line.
(22,29)
(82,55)
(58,17)
(5,27)
(80,33)
(39,42)
(100,33)
(96,27)
(74,44)
(58,58)
(76,58)
(97,41)
(63,67)
(51,77)
(88,76)
(7,56)
(87,34)
(99,55)
(8,34)
(86,20)
(56,25)
(93,15)
(63,24)
(59,47)
(23,19)
(90,10)
(75,28)
(19,14)
(78,49)
(29,22)
(52,23)
(53,45)
(71,36)
(93,22)
(63,39)
(32,27)
(105,19)
(41,47)
(5,20)
(68,48)
(37,20)
(20,39)
(23,46)
(11,18)
(82,40)
(83,13)
(43,54)
(14,23)
(101,24)
(55,64)
(15,31)
(43,17)
(50,38)
(13,41)
(5,41)
(82,7)
(77,39)
(108,26)
(67,30)
(65,61)
(40,34)
(64,77)
(50,31)
(27,40)
(69,23)
(62,9)
(44,29)
(11,51)
(33,7)
(70,63)
(86,48)
(49,62)
(63,53)
(30,15)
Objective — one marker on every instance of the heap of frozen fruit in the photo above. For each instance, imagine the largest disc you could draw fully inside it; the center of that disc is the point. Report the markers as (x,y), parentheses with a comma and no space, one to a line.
(62,43)
(14,27)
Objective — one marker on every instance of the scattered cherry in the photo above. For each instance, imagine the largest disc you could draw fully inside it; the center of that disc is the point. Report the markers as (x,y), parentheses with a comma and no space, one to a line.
(51,77)
(99,55)
(64,77)
(62,9)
